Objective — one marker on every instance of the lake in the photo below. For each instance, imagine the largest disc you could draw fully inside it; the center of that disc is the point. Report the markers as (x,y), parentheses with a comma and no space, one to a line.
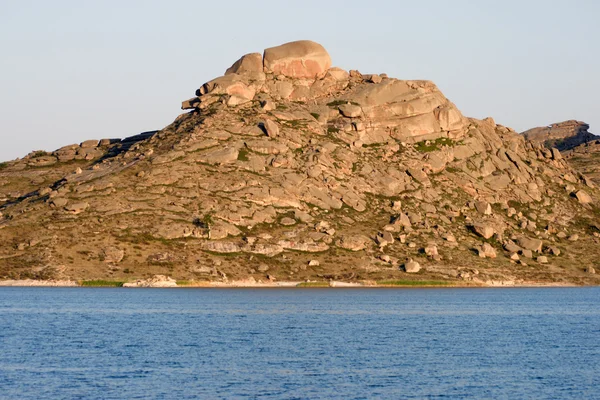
(299,343)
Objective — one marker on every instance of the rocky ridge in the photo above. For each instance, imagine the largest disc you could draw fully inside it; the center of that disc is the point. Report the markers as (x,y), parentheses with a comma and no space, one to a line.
(564,135)
(286,168)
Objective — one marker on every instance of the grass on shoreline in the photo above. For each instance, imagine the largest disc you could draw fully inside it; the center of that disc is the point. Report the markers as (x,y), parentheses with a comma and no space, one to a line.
(413,283)
(101,283)
(312,284)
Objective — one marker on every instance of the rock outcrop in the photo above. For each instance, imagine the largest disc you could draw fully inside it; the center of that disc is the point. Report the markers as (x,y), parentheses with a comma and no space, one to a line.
(289,166)
(563,135)
(574,141)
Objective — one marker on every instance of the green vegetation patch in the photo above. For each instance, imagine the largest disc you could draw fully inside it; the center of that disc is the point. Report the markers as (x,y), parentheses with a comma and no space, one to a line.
(337,103)
(427,146)
(205,222)
(294,124)
(102,283)
(313,284)
(413,283)
(243,155)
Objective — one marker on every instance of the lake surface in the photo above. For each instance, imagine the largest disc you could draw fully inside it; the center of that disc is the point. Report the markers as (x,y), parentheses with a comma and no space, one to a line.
(299,343)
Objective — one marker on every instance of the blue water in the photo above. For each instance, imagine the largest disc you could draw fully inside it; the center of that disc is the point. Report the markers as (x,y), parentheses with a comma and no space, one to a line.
(312,343)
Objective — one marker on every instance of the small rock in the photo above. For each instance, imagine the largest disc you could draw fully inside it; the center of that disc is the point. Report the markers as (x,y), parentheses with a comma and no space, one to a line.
(350,110)
(555,251)
(412,267)
(590,270)
(384,238)
(583,197)
(483,207)
(527,253)
(449,237)
(77,208)
(59,202)
(431,250)
(510,246)
(263,268)
(112,255)
(542,260)
(487,251)
(530,244)
(287,221)
(385,258)
(271,128)
(353,242)
(485,231)
(314,263)
(88,144)
(268,105)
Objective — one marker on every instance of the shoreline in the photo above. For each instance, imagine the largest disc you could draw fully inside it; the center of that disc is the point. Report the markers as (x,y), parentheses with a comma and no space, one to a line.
(243,284)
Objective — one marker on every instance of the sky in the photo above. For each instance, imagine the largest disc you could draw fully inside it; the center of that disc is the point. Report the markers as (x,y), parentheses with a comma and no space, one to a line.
(77,70)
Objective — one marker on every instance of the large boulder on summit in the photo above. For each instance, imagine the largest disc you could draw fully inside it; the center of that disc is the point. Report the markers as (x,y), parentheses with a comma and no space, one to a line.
(301,59)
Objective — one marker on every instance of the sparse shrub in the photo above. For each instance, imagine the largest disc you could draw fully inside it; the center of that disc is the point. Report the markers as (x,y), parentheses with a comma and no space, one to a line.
(39,153)
(243,155)
(337,103)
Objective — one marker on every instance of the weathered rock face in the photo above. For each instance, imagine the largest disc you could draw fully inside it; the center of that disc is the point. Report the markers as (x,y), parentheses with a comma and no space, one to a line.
(323,175)
(301,59)
(562,135)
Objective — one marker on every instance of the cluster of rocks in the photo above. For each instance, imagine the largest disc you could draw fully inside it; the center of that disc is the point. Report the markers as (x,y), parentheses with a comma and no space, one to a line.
(289,166)
(87,150)
(369,113)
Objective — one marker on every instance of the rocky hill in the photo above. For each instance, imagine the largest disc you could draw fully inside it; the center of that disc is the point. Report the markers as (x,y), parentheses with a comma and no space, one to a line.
(563,135)
(288,169)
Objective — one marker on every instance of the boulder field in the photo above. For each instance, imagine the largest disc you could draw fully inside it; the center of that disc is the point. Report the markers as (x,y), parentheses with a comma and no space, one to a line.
(288,169)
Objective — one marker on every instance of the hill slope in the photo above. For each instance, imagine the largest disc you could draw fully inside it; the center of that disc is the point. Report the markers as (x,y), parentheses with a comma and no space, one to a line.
(288,169)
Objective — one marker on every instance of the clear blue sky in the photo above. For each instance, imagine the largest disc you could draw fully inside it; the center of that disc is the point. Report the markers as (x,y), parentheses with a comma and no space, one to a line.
(76,70)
